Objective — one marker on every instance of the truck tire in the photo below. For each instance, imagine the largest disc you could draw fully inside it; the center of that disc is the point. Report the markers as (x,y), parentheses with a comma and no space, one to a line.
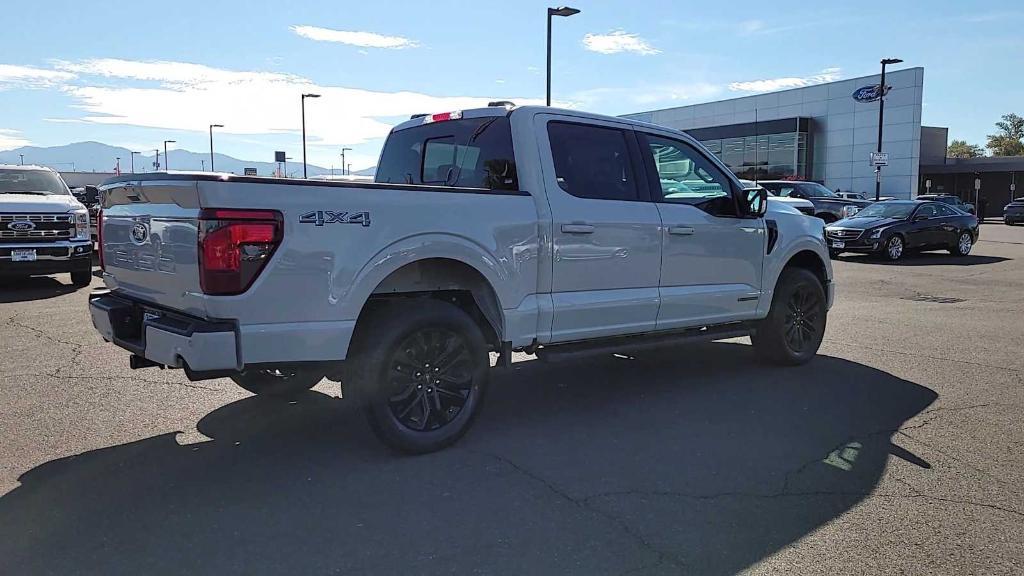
(792,332)
(421,368)
(282,382)
(81,278)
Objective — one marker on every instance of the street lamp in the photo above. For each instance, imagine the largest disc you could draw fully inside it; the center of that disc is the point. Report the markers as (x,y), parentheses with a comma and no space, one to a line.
(133,160)
(22,159)
(212,126)
(167,159)
(343,160)
(117,164)
(881,116)
(563,11)
(156,165)
(304,96)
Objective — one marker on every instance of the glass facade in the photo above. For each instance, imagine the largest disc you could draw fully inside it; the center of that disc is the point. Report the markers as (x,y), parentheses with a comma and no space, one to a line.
(765,156)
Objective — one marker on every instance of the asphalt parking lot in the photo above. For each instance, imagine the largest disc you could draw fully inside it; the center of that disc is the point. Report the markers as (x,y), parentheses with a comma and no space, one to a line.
(898,450)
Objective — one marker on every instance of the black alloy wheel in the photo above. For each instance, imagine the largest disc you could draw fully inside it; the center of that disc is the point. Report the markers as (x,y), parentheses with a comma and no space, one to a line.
(792,332)
(431,376)
(421,369)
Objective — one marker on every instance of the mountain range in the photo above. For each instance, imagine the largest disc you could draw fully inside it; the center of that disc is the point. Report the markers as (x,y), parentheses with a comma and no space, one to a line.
(99,157)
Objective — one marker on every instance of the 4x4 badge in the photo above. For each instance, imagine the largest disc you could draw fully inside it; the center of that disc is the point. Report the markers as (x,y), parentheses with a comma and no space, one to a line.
(321,217)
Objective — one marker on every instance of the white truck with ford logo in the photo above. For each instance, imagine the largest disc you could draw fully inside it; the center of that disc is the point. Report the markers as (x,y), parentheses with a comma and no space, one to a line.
(486,231)
(44,229)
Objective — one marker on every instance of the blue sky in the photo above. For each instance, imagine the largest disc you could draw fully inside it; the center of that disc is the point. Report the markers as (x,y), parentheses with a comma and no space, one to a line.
(73,71)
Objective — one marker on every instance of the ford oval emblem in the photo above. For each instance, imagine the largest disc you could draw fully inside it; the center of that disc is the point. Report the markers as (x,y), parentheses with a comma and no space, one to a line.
(21,226)
(139,234)
(867,94)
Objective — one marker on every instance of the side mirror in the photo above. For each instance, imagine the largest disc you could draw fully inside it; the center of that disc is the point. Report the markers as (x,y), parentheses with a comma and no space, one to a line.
(755,202)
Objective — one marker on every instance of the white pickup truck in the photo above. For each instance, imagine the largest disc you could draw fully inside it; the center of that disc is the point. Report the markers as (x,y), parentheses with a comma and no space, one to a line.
(490,230)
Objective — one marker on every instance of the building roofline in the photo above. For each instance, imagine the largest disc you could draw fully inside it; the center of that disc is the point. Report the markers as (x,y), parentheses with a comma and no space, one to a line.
(771,92)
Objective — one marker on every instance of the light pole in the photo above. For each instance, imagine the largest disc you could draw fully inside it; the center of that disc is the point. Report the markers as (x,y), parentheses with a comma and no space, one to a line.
(212,126)
(117,165)
(22,159)
(881,116)
(167,159)
(343,160)
(564,11)
(156,164)
(304,96)
(133,161)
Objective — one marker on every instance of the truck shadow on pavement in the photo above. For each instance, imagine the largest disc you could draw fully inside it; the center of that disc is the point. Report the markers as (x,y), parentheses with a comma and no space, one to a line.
(696,460)
(33,288)
(925,259)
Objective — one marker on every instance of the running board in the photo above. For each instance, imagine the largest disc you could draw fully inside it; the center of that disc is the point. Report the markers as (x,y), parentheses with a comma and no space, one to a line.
(632,343)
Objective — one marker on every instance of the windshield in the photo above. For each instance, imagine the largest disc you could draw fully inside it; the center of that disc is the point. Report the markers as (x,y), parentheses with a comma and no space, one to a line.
(798,189)
(886,210)
(16,181)
(815,190)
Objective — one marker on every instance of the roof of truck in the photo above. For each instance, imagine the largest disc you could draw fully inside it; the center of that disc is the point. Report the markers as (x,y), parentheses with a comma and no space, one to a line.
(25,167)
(508,109)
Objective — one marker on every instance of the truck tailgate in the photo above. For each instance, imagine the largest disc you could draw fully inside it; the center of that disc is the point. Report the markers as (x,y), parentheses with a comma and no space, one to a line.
(150,232)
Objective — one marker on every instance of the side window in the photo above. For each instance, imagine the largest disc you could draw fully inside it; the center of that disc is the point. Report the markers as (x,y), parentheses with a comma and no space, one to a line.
(926,211)
(943,210)
(592,161)
(687,177)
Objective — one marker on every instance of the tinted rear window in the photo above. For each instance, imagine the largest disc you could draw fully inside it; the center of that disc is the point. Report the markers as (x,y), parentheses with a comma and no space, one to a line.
(474,153)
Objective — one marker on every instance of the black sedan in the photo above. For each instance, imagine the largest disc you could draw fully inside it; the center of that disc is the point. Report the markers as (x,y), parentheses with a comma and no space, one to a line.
(894,227)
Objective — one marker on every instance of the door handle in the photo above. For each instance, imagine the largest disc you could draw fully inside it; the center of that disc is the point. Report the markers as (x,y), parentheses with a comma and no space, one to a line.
(681,230)
(578,228)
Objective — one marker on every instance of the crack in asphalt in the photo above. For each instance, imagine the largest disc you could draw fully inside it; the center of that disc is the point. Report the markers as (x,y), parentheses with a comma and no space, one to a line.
(919,355)
(661,556)
(78,350)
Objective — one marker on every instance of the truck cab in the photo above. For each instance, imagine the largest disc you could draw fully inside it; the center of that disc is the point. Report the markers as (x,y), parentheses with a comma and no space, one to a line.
(491,230)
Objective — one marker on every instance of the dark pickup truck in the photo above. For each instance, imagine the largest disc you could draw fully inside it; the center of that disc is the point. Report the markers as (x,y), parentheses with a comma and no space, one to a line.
(827,204)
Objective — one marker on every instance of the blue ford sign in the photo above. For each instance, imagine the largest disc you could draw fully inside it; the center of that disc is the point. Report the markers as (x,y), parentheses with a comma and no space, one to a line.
(869,93)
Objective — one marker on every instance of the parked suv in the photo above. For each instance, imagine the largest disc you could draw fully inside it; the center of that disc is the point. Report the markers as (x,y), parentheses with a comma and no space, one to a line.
(1013,213)
(501,229)
(43,228)
(827,205)
(953,201)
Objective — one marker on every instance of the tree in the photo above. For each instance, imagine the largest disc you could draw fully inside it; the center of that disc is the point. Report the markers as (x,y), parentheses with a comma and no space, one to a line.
(1010,140)
(961,149)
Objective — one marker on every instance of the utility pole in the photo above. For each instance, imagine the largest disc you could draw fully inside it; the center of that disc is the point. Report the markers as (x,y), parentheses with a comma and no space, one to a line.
(343,160)
(167,159)
(564,11)
(212,126)
(303,99)
(881,117)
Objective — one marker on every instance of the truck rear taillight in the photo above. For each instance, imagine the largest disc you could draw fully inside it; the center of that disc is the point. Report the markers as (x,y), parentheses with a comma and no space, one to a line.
(234,246)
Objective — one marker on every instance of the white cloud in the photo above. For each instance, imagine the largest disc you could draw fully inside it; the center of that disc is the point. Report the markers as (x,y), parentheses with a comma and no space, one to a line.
(11,139)
(31,77)
(772,84)
(363,39)
(649,95)
(618,41)
(187,96)
(751,26)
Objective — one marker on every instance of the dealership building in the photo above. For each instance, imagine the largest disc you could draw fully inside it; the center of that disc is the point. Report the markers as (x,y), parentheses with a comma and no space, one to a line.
(823,133)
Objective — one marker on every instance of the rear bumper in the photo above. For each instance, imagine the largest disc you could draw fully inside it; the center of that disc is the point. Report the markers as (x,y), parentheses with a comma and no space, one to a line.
(167,338)
(51,258)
